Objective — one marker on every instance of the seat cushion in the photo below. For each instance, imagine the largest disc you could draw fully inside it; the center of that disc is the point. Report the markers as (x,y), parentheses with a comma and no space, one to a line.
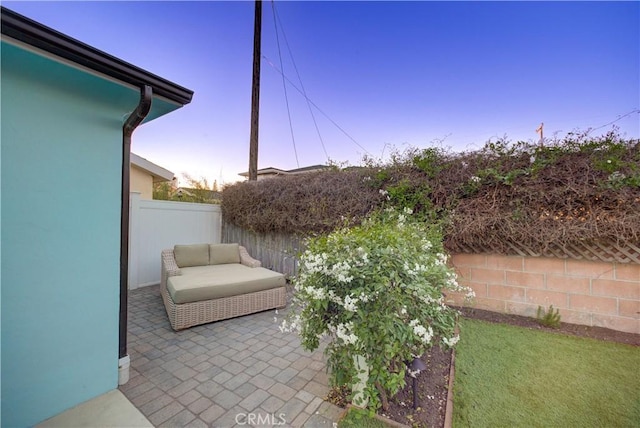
(191,255)
(199,283)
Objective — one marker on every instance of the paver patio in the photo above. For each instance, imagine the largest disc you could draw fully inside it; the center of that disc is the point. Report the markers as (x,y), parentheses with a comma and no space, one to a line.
(237,372)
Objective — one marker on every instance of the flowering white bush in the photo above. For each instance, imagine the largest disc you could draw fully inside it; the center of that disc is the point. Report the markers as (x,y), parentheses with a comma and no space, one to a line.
(376,291)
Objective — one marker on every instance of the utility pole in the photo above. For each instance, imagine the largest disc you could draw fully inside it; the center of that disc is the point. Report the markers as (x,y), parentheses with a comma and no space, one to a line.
(255,94)
(540,131)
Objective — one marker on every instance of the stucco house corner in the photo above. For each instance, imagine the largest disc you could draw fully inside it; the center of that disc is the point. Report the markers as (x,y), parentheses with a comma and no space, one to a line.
(144,174)
(68,111)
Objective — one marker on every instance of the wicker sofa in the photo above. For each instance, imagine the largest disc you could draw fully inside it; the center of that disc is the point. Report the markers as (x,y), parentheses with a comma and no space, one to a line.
(203,283)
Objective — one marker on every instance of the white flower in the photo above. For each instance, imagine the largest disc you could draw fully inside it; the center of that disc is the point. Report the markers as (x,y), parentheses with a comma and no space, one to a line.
(475,179)
(350,303)
(451,342)
(343,278)
(408,210)
(616,176)
(343,331)
(385,193)
(335,298)
(452,283)
(313,263)
(363,254)
(423,333)
(315,293)
(441,259)
(340,271)
(288,327)
(414,270)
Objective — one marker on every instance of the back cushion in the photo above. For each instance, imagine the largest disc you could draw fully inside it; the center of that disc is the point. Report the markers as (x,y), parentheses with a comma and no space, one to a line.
(191,255)
(220,254)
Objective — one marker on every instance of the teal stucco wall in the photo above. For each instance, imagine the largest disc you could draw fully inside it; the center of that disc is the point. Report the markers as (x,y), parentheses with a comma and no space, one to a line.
(61,157)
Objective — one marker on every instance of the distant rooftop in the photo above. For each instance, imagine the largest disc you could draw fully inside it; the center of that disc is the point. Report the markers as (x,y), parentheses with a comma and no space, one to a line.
(273,172)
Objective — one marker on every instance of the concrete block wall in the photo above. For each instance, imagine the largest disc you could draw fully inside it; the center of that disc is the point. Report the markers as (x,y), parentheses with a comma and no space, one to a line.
(589,293)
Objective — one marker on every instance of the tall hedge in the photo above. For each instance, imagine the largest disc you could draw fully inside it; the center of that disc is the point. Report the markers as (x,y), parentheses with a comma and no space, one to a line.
(575,190)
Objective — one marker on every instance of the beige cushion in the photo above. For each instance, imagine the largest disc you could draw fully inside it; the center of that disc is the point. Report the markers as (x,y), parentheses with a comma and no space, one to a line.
(212,282)
(223,253)
(191,255)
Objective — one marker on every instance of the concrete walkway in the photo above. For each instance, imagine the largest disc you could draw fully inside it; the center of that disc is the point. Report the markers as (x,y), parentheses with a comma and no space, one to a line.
(238,372)
(110,410)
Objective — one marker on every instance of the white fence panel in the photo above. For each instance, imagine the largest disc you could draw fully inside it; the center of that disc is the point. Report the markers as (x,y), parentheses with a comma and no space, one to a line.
(156,225)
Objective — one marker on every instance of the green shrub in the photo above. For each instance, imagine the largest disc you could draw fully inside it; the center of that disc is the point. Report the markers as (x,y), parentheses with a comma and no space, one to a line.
(377,291)
(548,318)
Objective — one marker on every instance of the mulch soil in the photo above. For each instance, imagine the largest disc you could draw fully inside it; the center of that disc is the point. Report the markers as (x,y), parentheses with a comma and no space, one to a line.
(432,383)
(599,333)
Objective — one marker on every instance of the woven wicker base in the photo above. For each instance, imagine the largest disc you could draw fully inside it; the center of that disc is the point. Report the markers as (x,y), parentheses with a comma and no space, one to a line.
(187,315)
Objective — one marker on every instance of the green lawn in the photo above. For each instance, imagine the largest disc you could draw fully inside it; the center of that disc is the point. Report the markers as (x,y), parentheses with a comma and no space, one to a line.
(357,418)
(509,376)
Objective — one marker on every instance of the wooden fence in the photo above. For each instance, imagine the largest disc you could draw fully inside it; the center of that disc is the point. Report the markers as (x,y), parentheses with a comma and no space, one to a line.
(276,251)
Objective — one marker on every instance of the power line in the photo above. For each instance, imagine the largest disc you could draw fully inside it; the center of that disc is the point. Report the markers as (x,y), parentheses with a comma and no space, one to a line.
(315,105)
(295,67)
(616,120)
(474,135)
(284,85)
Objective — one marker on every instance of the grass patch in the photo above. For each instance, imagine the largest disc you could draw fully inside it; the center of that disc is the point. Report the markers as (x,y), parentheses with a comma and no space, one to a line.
(512,376)
(359,418)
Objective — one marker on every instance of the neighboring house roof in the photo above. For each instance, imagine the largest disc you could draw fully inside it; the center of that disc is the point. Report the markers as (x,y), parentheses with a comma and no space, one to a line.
(33,33)
(277,171)
(204,193)
(158,173)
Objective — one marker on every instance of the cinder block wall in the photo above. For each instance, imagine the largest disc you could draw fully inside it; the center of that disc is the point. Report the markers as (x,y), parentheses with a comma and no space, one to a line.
(589,293)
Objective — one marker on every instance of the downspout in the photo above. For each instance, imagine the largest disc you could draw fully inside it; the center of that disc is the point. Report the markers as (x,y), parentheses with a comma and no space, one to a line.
(132,122)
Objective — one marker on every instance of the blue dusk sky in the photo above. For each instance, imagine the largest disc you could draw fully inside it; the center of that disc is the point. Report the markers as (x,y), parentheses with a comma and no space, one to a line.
(389,74)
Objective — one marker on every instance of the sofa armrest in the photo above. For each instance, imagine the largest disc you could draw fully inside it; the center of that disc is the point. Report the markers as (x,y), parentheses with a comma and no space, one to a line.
(247,260)
(169,267)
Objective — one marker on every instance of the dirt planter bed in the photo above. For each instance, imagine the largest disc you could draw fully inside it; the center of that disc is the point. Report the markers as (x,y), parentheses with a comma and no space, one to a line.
(435,399)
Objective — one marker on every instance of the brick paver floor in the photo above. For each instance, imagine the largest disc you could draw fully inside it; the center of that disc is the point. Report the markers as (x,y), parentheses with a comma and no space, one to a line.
(237,372)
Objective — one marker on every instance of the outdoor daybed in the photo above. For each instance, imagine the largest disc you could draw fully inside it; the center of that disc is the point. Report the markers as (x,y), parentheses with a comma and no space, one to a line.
(202,283)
